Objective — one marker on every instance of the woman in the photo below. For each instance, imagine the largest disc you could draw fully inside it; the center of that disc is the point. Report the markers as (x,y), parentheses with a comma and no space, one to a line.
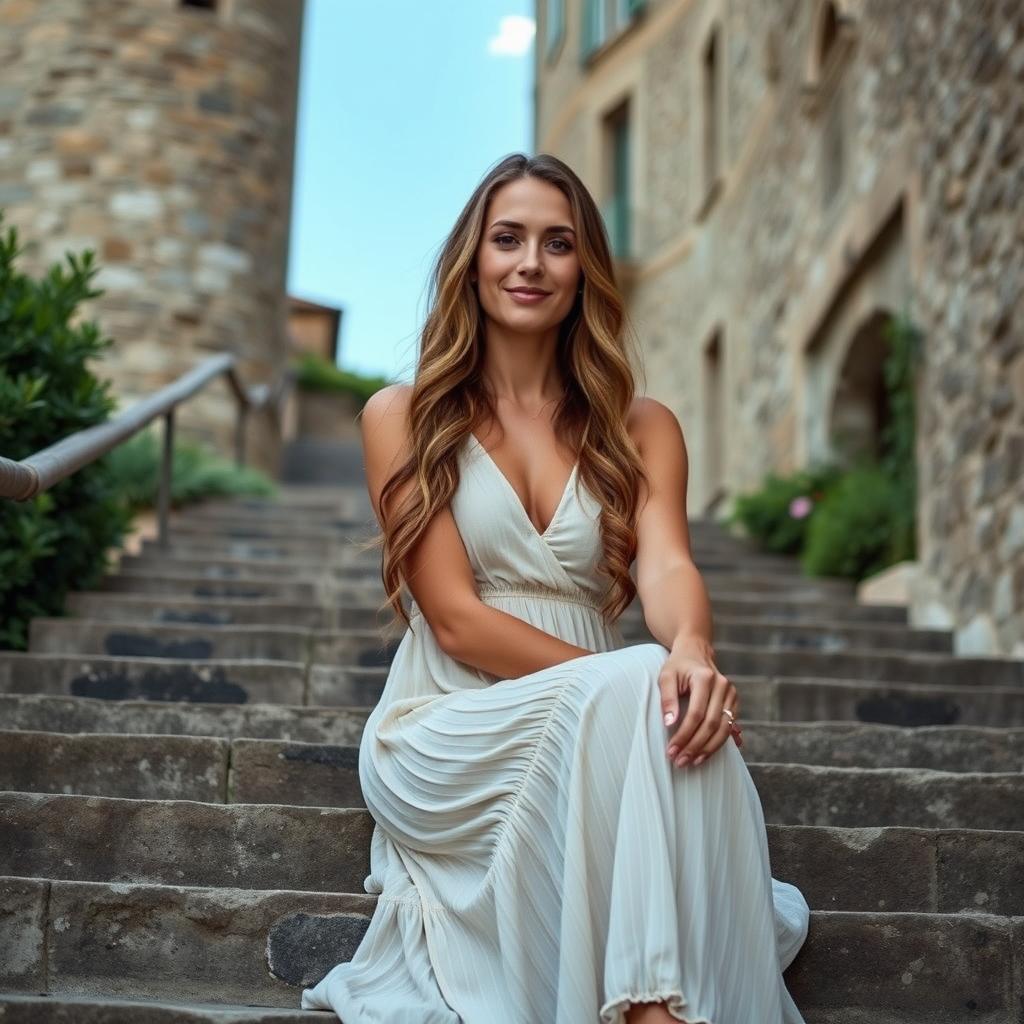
(564,831)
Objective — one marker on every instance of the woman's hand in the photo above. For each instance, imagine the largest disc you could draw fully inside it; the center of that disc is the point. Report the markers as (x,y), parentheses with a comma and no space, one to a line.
(690,669)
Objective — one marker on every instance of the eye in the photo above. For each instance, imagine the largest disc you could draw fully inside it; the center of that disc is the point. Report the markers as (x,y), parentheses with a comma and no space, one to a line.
(562,241)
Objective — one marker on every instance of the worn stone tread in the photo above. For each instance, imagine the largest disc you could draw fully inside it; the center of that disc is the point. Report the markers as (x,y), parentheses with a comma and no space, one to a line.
(326,849)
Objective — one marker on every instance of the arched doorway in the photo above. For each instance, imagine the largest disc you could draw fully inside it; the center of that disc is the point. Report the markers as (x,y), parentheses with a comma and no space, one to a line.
(859,409)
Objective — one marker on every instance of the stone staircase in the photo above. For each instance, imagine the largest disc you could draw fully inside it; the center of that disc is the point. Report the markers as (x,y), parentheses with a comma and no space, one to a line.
(182,836)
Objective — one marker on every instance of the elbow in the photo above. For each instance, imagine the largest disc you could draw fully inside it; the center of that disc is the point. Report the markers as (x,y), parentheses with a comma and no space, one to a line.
(452,627)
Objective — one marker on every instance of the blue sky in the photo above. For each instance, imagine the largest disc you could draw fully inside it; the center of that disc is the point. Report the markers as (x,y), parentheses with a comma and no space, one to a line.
(403,107)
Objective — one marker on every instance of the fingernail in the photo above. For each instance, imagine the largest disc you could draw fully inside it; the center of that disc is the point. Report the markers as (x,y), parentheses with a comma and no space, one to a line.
(668,717)
(703,757)
(683,759)
(673,750)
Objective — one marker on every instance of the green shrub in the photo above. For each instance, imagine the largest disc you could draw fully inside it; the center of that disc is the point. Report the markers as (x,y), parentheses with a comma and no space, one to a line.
(851,533)
(769,515)
(315,374)
(196,472)
(58,540)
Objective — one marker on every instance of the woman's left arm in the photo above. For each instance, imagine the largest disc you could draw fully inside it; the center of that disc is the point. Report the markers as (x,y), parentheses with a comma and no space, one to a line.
(675,601)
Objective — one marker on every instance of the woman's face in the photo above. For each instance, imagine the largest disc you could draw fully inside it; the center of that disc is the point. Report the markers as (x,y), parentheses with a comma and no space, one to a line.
(534,247)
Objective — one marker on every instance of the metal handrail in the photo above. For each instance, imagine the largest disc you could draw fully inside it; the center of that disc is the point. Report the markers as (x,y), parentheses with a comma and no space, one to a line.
(21,480)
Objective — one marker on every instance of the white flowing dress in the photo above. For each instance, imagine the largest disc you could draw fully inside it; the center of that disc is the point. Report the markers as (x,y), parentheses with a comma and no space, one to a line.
(537,857)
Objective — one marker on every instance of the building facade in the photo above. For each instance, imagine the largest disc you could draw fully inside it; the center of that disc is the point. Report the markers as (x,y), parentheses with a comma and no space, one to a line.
(778,180)
(160,134)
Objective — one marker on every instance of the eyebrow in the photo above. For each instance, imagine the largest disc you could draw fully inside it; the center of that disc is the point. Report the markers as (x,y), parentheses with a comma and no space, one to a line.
(521,227)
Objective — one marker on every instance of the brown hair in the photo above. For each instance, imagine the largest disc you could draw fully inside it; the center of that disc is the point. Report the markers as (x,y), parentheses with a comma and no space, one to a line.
(449,393)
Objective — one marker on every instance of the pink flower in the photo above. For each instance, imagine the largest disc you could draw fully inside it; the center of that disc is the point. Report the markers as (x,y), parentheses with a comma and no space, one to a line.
(800,507)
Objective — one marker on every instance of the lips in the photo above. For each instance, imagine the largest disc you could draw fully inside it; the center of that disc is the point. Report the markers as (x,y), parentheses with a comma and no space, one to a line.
(527,291)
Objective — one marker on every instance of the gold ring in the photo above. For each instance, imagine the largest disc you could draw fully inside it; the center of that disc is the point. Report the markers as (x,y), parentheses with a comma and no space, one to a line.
(732,717)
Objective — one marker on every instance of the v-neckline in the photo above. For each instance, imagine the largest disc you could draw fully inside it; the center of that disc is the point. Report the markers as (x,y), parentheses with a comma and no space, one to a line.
(514,494)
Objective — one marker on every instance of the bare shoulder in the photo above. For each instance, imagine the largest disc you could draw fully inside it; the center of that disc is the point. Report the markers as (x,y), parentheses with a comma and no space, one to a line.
(383,422)
(653,426)
(389,401)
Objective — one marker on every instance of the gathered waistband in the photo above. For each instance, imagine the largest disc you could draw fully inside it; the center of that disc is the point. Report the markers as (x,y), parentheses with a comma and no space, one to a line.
(573,595)
(570,595)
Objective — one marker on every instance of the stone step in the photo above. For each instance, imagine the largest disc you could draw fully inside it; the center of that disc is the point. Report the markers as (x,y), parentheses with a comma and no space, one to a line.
(728,577)
(932,669)
(197,546)
(109,605)
(742,660)
(348,646)
(326,775)
(271,588)
(42,712)
(221,681)
(327,568)
(208,767)
(345,561)
(33,1009)
(363,528)
(205,547)
(226,681)
(346,503)
(839,744)
(356,506)
(327,849)
(216,611)
(165,584)
(233,946)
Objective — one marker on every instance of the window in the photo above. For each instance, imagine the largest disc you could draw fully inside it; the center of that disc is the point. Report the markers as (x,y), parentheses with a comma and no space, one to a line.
(714,420)
(554,26)
(711,112)
(617,207)
(603,20)
(832,155)
(827,34)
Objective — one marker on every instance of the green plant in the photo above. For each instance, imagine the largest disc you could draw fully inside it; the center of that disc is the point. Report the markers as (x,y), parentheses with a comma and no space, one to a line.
(60,539)
(899,461)
(196,472)
(312,373)
(852,533)
(777,515)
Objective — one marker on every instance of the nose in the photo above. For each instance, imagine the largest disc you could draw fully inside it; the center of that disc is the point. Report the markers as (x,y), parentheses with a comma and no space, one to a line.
(530,262)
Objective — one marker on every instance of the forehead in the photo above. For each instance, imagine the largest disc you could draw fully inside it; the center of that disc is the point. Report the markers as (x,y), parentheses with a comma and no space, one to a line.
(531,201)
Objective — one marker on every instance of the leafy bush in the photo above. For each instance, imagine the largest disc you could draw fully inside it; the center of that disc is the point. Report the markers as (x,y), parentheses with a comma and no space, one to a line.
(316,374)
(58,540)
(778,514)
(196,472)
(852,532)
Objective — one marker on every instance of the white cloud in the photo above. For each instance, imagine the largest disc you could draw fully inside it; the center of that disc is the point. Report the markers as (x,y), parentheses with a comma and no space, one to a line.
(514,38)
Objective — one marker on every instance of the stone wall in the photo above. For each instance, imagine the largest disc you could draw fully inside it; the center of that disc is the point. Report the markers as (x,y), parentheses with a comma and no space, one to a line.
(886,178)
(161,136)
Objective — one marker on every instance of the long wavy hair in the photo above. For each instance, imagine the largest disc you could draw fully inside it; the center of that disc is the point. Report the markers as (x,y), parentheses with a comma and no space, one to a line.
(450,395)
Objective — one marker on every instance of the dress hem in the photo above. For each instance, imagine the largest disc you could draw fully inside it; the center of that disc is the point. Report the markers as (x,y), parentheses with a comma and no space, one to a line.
(614,1010)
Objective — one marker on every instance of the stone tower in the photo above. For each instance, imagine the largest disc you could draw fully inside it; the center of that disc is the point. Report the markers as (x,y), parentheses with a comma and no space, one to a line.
(160,134)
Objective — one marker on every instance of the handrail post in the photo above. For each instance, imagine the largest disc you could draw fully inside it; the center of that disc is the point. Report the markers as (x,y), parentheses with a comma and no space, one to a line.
(240,431)
(164,493)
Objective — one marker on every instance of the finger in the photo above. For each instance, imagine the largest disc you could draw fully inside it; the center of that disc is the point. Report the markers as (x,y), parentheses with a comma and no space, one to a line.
(668,684)
(716,741)
(711,723)
(699,686)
